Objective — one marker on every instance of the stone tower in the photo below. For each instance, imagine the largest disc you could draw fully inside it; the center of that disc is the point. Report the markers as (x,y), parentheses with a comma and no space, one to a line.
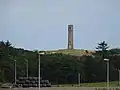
(70,37)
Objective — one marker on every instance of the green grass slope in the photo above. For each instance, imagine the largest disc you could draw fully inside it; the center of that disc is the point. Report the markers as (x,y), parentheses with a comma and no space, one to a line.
(97,84)
(75,52)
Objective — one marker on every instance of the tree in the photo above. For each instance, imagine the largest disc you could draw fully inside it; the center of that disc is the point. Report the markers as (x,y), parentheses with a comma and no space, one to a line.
(61,68)
(4,58)
(103,46)
(102,49)
(57,67)
(114,51)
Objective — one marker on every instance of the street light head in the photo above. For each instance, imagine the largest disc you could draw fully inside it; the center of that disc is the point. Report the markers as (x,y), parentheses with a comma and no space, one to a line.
(42,53)
(15,60)
(106,59)
(26,60)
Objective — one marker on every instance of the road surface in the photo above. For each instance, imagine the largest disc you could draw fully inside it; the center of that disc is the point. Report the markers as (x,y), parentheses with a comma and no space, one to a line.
(62,88)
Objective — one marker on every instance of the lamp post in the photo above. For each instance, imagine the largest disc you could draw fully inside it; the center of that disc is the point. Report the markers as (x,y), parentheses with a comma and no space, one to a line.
(119,76)
(39,67)
(107,73)
(15,70)
(27,67)
(79,79)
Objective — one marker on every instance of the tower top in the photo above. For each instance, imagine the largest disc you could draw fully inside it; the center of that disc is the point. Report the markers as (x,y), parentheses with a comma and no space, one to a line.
(70,27)
(70,24)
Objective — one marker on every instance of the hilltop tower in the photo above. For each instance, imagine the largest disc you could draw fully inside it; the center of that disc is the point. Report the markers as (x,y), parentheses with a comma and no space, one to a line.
(70,37)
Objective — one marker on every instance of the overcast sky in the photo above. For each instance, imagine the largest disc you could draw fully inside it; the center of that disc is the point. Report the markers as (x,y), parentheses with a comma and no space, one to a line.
(42,24)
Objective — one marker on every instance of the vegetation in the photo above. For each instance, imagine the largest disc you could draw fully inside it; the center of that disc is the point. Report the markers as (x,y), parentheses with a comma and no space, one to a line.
(102,49)
(98,84)
(75,52)
(59,68)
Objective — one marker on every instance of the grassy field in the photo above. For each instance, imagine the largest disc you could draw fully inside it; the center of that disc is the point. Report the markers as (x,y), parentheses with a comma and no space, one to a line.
(101,84)
(76,52)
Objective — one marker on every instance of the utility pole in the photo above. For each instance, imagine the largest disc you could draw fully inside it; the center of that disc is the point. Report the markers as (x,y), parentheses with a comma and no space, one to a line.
(119,76)
(15,71)
(107,73)
(39,71)
(79,79)
(27,67)
(39,66)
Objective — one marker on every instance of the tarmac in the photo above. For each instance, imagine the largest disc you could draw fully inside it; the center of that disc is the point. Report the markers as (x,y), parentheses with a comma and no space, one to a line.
(65,88)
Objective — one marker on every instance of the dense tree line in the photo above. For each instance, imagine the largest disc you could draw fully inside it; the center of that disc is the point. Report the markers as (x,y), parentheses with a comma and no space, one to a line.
(58,68)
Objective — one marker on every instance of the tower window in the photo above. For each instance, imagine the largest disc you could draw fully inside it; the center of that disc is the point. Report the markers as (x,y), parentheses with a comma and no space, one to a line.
(69,27)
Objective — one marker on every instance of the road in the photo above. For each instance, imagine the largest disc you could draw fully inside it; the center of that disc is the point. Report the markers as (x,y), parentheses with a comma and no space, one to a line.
(62,88)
